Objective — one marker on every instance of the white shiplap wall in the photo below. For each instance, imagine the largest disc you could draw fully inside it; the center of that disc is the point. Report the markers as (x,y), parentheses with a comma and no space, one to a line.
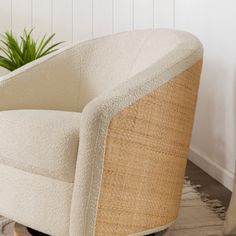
(214,134)
(78,20)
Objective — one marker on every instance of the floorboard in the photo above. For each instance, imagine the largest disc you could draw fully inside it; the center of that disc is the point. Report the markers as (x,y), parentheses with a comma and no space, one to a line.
(208,185)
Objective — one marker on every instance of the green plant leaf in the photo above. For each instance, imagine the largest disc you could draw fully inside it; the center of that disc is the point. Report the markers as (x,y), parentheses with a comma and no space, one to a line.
(15,54)
(7,63)
(44,45)
(5,51)
(13,44)
(40,44)
(50,49)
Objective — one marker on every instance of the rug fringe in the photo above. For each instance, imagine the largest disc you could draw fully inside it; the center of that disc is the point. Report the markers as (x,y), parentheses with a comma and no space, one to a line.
(214,204)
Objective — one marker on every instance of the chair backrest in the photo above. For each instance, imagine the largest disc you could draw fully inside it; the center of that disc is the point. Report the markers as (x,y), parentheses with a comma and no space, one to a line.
(82,71)
(108,61)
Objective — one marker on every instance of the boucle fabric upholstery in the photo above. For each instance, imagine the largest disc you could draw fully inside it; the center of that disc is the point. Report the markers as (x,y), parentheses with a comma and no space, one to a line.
(96,117)
(40,142)
(98,78)
(71,77)
(36,201)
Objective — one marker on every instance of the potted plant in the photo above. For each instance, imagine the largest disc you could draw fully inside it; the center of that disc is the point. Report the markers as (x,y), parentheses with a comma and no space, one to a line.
(15,53)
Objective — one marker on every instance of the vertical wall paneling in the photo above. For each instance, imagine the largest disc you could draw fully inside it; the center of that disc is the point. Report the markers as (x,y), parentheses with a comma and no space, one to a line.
(62,20)
(123,15)
(21,15)
(41,24)
(84,25)
(165,13)
(5,15)
(155,13)
(213,141)
(5,22)
(102,17)
(143,14)
(74,20)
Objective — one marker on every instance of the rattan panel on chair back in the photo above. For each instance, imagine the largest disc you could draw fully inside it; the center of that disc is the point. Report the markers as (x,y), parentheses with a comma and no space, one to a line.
(145,157)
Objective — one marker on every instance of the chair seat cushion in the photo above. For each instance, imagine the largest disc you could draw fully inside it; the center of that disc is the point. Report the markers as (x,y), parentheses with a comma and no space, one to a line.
(42,142)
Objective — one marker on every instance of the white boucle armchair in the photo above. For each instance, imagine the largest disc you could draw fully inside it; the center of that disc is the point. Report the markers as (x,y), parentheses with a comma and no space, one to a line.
(94,138)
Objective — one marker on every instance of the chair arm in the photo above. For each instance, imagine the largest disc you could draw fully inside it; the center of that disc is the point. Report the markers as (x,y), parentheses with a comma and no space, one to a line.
(97,127)
(146,150)
(47,83)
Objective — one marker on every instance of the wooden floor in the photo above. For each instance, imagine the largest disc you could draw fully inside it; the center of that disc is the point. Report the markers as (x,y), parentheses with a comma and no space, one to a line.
(208,184)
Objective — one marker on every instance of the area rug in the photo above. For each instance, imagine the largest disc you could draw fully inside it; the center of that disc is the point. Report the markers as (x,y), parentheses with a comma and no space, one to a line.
(198,216)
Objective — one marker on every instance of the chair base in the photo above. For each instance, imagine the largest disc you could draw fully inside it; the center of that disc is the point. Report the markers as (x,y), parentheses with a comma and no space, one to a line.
(20,230)
(162,233)
(35,232)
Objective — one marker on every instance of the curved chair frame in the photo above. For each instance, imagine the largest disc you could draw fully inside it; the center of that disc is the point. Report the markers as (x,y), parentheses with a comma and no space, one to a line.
(134,134)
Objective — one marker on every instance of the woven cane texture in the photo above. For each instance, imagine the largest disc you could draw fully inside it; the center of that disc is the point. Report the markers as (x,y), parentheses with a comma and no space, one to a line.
(145,157)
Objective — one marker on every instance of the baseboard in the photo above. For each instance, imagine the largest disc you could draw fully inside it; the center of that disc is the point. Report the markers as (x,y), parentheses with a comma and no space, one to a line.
(213,169)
